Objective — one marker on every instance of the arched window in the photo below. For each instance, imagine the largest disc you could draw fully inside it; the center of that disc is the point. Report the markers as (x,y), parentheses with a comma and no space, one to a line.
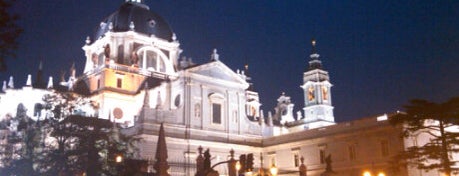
(151,60)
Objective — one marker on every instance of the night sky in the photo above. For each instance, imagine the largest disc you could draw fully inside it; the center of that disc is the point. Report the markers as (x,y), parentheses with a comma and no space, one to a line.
(379,54)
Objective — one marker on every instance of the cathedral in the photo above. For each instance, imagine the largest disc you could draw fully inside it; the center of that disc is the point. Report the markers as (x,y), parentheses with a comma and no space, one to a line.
(134,71)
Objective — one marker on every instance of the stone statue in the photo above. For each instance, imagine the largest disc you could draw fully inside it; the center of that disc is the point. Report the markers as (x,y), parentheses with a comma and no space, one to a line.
(206,160)
(107,51)
(134,59)
(328,167)
(328,162)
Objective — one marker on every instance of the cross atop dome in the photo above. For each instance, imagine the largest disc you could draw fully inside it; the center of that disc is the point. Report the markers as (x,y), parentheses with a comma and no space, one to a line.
(136,1)
(313,42)
(314,54)
(140,3)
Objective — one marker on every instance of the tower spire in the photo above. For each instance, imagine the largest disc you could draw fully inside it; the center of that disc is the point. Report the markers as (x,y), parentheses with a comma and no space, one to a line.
(29,80)
(161,165)
(50,83)
(313,43)
(4,86)
(11,83)
(314,63)
(39,82)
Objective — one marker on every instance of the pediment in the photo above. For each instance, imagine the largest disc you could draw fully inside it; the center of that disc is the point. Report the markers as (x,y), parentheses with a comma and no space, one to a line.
(217,70)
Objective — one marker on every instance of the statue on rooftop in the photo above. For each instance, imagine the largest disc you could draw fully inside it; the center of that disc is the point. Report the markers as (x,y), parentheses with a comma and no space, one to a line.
(328,167)
(107,52)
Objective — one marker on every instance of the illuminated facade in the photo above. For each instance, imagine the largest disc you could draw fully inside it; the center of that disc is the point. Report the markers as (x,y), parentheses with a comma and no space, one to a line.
(134,72)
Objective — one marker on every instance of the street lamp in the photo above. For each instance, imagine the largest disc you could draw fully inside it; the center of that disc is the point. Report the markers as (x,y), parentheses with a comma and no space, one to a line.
(273,170)
(119,159)
(238,166)
(368,173)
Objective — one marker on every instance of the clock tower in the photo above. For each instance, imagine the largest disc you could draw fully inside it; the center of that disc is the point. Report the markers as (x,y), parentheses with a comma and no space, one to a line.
(318,109)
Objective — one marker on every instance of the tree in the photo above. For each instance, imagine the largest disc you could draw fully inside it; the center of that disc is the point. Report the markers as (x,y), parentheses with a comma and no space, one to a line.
(9,32)
(83,144)
(22,148)
(434,121)
(65,142)
(89,145)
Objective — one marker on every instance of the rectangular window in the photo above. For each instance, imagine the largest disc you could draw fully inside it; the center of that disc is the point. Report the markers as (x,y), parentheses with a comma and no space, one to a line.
(216,113)
(384,148)
(296,159)
(119,82)
(352,155)
(322,156)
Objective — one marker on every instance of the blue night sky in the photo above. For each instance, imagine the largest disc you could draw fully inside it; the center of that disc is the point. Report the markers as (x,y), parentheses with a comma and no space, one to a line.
(379,54)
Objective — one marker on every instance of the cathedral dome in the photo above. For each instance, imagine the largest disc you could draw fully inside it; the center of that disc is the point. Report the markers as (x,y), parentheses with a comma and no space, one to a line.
(136,16)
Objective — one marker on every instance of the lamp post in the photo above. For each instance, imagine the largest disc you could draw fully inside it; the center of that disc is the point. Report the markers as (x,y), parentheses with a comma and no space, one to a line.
(273,170)
(233,165)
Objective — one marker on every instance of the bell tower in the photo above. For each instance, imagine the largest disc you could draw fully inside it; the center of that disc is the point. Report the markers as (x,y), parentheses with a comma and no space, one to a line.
(318,109)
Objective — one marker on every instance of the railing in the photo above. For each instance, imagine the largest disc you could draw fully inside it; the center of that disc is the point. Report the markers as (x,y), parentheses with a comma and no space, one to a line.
(130,69)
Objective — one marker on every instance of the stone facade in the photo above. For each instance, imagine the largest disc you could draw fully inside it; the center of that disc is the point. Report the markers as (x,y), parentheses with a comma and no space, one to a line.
(134,73)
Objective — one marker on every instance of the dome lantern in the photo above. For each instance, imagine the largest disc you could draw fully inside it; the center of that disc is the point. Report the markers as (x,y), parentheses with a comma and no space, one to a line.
(135,1)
